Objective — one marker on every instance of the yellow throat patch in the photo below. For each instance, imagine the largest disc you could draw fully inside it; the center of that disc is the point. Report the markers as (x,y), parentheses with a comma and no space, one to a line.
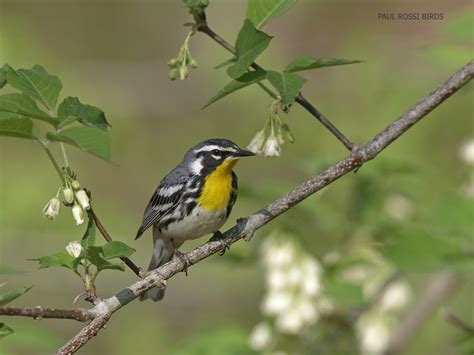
(217,187)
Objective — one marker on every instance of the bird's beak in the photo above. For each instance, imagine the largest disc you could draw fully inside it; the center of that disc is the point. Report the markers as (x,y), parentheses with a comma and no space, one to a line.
(243,153)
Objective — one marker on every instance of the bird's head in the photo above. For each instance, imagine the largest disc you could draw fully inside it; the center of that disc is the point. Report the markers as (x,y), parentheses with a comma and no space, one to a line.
(212,153)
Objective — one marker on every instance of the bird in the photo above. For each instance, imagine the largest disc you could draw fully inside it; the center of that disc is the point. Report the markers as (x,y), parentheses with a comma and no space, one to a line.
(193,200)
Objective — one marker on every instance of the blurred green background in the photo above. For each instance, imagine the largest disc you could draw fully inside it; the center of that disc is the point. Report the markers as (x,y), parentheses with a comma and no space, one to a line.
(113,54)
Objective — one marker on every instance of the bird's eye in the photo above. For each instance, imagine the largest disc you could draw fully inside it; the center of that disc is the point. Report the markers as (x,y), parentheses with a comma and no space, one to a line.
(216,152)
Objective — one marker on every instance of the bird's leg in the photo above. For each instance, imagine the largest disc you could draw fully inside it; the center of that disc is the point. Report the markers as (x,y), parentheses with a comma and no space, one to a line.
(182,257)
(219,237)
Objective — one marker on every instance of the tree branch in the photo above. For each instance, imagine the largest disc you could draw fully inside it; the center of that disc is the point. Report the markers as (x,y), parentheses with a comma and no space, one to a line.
(81,315)
(203,27)
(246,227)
(436,292)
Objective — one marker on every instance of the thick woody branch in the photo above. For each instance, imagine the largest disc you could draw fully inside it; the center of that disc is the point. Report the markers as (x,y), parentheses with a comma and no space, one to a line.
(246,227)
(300,99)
(81,315)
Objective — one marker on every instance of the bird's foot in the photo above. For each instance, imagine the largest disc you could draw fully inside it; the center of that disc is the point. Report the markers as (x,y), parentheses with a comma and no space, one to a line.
(219,237)
(182,257)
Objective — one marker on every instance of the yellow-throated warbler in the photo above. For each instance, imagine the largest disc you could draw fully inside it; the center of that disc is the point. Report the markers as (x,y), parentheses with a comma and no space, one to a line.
(193,200)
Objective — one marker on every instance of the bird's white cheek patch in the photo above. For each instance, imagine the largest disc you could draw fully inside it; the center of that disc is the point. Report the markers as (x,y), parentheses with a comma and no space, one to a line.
(196,166)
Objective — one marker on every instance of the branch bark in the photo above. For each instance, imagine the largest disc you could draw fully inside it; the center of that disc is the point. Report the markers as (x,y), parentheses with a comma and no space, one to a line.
(246,227)
(81,315)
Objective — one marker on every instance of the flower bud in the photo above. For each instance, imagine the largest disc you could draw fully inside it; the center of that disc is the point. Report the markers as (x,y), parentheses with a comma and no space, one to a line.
(76,185)
(83,199)
(193,63)
(68,195)
(51,209)
(172,62)
(257,142)
(183,72)
(74,248)
(173,74)
(78,214)
(272,147)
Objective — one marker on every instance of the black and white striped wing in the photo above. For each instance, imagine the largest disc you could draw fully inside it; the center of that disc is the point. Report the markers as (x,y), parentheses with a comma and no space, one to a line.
(164,201)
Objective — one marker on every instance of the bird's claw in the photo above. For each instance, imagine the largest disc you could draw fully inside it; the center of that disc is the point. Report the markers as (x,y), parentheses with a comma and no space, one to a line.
(182,257)
(219,237)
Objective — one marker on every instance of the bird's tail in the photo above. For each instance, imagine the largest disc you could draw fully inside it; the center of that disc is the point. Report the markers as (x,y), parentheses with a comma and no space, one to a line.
(162,253)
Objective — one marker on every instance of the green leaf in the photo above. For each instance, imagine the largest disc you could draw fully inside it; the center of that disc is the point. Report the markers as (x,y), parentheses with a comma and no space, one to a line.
(9,296)
(117,249)
(5,269)
(5,330)
(308,62)
(18,127)
(196,4)
(249,45)
(36,83)
(96,257)
(287,84)
(261,12)
(20,105)
(89,139)
(226,63)
(245,80)
(59,259)
(88,238)
(72,109)
(3,76)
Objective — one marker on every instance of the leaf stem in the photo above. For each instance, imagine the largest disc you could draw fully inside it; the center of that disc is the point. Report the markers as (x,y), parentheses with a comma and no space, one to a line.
(63,149)
(54,162)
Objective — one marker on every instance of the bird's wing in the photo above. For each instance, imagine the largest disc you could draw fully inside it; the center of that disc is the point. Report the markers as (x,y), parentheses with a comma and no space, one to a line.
(166,197)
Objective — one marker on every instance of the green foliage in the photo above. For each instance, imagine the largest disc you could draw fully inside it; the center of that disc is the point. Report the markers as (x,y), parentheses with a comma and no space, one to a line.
(21,106)
(89,235)
(287,84)
(261,12)
(19,128)
(249,45)
(116,249)
(71,109)
(5,330)
(237,84)
(62,259)
(9,296)
(344,293)
(196,5)
(308,62)
(36,83)
(88,139)
(38,86)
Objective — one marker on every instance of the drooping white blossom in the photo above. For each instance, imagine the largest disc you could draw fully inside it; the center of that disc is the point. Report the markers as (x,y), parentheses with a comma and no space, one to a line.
(74,248)
(51,209)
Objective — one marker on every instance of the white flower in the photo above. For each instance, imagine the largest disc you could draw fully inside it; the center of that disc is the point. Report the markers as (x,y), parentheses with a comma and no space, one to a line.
(279,256)
(395,297)
(355,274)
(290,322)
(78,214)
(74,248)
(325,305)
(83,199)
(466,152)
(374,336)
(295,275)
(311,266)
(308,311)
(257,142)
(51,209)
(276,279)
(311,286)
(272,147)
(276,302)
(68,195)
(398,207)
(260,337)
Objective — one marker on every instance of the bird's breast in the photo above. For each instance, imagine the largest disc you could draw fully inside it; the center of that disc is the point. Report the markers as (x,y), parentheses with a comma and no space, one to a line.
(217,188)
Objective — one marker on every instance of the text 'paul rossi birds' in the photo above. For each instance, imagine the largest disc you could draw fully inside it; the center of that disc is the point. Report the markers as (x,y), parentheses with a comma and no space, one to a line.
(410,16)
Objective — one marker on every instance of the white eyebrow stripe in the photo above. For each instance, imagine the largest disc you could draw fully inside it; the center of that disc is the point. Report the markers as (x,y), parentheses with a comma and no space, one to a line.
(212,147)
(168,191)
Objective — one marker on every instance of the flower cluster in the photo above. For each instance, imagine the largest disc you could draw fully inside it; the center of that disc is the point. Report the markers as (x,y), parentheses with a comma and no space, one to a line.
(179,65)
(73,196)
(293,288)
(269,140)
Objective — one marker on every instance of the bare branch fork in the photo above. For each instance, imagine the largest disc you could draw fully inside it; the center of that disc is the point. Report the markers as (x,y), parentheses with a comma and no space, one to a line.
(246,227)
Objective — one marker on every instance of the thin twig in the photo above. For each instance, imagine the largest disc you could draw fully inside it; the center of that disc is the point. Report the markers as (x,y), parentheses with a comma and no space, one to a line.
(204,28)
(458,322)
(108,238)
(246,227)
(81,315)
